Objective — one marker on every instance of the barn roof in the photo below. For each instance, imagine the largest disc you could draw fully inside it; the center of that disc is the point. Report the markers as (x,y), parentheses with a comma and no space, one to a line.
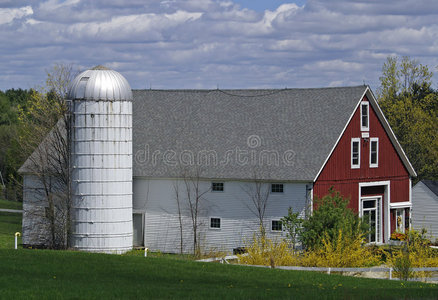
(271,134)
(432,185)
(283,134)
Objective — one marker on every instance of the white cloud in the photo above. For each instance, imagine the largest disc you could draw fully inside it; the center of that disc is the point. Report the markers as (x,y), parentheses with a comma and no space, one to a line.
(192,43)
(7,15)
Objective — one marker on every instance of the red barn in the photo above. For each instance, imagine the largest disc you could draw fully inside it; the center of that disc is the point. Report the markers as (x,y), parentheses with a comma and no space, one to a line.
(368,165)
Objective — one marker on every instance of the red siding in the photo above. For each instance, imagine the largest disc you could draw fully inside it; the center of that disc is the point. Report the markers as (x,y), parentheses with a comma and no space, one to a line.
(338,172)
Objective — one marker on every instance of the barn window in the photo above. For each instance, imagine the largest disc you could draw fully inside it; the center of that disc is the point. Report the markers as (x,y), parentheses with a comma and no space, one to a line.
(374,152)
(277,188)
(217,186)
(215,223)
(276,225)
(355,153)
(364,116)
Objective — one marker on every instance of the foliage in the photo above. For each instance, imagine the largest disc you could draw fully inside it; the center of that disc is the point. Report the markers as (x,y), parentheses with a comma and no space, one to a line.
(416,253)
(402,265)
(292,225)
(262,251)
(342,251)
(411,108)
(10,158)
(330,216)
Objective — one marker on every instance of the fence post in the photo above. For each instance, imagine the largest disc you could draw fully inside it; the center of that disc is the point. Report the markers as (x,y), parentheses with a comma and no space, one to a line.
(329,270)
(390,273)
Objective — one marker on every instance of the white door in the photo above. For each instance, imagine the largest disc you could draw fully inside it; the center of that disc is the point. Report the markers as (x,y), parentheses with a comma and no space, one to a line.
(372,212)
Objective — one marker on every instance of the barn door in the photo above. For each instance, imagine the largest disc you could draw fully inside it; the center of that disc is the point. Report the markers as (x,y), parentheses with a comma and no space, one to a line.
(372,213)
(138,230)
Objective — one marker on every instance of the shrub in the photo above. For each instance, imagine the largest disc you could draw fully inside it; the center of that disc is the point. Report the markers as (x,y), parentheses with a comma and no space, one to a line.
(265,252)
(330,216)
(417,253)
(341,251)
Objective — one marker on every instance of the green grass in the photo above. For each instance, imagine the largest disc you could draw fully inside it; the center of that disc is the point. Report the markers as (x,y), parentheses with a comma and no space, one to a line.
(10,223)
(45,274)
(11,204)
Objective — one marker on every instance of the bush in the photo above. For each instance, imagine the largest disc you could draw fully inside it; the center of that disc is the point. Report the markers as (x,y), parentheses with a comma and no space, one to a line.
(262,251)
(343,251)
(340,252)
(417,253)
(330,216)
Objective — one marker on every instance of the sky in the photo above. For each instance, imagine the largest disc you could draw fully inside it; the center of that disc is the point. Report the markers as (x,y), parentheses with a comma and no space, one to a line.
(209,44)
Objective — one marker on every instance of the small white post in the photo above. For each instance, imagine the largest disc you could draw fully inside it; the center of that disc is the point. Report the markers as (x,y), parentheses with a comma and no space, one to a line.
(17,234)
(329,271)
(145,252)
(390,273)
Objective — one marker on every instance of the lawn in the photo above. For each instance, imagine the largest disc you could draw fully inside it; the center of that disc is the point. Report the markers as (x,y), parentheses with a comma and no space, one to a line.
(46,274)
(10,204)
(10,223)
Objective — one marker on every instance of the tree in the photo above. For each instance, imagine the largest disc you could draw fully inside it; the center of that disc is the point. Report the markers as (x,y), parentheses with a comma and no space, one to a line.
(411,108)
(292,224)
(10,158)
(195,200)
(44,137)
(258,192)
(330,216)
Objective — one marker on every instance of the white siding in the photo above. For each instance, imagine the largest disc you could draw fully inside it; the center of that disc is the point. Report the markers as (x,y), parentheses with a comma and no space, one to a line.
(425,209)
(35,225)
(157,200)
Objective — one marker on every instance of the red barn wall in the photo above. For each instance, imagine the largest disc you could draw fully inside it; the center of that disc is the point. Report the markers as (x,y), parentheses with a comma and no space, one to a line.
(338,172)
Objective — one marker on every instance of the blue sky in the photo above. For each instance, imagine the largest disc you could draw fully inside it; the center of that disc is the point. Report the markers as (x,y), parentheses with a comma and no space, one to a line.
(168,44)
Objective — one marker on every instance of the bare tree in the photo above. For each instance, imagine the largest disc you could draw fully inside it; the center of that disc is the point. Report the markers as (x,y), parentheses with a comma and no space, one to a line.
(258,192)
(180,221)
(195,204)
(45,138)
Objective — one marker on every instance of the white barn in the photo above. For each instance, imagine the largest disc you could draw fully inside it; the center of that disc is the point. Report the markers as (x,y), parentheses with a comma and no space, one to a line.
(425,207)
(225,148)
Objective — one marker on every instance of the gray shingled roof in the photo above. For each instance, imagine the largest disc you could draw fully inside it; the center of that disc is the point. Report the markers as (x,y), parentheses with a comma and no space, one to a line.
(432,185)
(300,126)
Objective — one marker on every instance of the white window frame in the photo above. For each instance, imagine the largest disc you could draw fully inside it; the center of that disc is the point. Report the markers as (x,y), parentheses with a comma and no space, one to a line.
(376,164)
(215,191)
(215,228)
(278,183)
(367,127)
(379,215)
(278,231)
(353,166)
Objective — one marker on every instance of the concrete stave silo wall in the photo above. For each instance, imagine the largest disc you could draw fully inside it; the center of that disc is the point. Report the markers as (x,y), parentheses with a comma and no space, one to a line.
(102,171)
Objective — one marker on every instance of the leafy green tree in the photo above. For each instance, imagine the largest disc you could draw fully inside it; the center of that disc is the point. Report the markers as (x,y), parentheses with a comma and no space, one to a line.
(292,225)
(411,108)
(330,216)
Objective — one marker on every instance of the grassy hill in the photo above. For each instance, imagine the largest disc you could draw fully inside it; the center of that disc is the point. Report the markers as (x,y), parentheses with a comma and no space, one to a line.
(46,274)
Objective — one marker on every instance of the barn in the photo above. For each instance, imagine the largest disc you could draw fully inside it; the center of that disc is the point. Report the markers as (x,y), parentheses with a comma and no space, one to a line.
(425,207)
(209,165)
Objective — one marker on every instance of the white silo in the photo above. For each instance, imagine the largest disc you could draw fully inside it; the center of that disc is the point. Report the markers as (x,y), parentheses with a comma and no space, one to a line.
(101,164)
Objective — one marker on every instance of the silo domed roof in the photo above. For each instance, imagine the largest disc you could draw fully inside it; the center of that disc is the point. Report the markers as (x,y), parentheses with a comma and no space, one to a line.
(100,83)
